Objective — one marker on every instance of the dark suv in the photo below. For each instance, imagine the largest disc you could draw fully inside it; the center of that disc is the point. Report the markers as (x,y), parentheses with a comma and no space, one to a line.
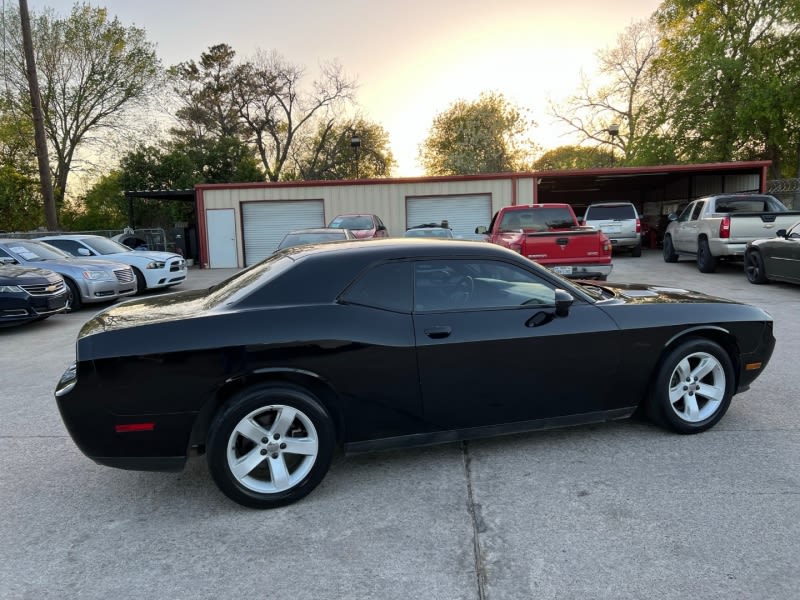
(619,221)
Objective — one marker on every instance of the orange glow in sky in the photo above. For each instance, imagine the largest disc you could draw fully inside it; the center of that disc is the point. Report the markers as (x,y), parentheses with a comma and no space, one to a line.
(413,58)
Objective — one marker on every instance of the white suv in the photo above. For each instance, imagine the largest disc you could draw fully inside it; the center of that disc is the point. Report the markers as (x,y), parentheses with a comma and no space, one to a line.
(619,221)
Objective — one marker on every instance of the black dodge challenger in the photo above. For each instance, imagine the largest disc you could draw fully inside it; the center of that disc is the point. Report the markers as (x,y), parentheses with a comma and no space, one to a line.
(391,343)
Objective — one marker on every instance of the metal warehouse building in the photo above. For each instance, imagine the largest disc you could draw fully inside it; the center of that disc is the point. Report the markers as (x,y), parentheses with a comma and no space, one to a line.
(240,224)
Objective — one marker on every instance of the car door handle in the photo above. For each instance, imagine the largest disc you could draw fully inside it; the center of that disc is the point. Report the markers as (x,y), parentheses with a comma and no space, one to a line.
(439,332)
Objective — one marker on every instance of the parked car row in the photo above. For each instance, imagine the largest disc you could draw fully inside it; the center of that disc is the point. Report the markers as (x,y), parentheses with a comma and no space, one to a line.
(61,273)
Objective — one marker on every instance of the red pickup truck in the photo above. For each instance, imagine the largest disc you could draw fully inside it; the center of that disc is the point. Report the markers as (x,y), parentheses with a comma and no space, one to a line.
(550,235)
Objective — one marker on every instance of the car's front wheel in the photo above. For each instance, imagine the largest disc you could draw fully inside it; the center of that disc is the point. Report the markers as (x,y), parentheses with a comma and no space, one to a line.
(270,445)
(670,255)
(73,297)
(706,262)
(754,267)
(141,282)
(693,387)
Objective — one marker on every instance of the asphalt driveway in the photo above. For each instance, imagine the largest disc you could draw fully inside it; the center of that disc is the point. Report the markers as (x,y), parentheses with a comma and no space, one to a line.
(620,510)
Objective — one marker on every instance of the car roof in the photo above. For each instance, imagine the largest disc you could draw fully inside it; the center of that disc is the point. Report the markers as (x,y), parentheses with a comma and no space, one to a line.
(407,248)
(74,236)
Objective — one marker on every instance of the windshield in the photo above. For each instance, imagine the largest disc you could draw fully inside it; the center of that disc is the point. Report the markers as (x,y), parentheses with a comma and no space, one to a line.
(297,239)
(35,251)
(103,245)
(441,233)
(537,219)
(610,213)
(352,222)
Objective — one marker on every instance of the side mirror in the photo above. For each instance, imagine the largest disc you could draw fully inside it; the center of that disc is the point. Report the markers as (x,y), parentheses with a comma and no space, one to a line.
(481,230)
(672,216)
(563,301)
(7,260)
(84,252)
(780,233)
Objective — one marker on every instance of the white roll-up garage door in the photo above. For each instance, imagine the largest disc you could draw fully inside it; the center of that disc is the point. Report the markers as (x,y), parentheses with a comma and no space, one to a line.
(463,213)
(265,224)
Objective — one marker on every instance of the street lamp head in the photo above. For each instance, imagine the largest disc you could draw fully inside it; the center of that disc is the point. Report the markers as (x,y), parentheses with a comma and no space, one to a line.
(355,140)
(613,129)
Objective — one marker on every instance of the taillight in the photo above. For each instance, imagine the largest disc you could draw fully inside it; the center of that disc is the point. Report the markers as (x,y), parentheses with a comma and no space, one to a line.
(638,226)
(725,227)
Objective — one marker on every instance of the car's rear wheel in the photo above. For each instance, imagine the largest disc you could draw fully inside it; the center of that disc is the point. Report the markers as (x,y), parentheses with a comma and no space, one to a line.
(706,262)
(693,387)
(754,267)
(670,255)
(270,445)
(141,282)
(73,297)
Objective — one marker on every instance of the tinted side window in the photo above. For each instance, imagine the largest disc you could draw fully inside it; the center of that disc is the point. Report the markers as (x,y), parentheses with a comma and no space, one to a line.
(386,286)
(477,284)
(686,213)
(697,210)
(68,246)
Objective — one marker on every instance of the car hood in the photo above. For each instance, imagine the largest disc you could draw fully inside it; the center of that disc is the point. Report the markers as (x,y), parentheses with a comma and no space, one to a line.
(143,255)
(638,293)
(15,275)
(59,264)
(363,234)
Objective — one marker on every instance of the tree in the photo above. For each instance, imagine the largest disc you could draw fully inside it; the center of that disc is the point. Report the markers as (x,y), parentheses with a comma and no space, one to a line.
(92,70)
(328,154)
(627,91)
(573,157)
(104,206)
(484,136)
(20,202)
(261,101)
(735,70)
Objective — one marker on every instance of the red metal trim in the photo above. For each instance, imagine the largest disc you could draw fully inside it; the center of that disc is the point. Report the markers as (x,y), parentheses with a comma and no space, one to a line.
(202,228)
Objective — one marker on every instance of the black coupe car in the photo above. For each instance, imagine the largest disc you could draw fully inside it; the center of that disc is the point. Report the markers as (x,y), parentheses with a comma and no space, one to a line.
(774,259)
(391,344)
(30,294)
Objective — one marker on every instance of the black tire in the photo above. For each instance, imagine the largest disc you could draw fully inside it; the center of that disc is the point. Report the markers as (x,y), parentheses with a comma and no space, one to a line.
(710,387)
(74,301)
(754,267)
(706,262)
(260,409)
(636,251)
(670,255)
(141,282)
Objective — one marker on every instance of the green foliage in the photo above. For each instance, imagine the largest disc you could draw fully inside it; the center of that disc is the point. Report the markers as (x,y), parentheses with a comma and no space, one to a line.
(329,153)
(484,136)
(573,157)
(20,199)
(735,71)
(103,207)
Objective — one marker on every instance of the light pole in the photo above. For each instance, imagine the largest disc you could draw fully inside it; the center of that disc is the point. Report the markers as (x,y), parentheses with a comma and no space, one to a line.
(355,144)
(613,131)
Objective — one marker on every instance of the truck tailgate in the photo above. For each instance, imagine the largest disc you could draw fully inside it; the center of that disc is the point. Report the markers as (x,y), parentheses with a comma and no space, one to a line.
(752,226)
(582,246)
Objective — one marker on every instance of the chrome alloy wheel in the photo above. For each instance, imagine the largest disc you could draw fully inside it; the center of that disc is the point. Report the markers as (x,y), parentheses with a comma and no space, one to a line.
(272,449)
(697,387)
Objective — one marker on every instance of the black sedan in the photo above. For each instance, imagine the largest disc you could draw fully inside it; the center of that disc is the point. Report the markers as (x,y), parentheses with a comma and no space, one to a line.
(774,259)
(391,344)
(30,294)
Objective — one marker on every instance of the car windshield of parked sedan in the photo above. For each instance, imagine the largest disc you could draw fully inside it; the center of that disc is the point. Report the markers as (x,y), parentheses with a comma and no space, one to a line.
(298,239)
(354,222)
(36,251)
(103,245)
(430,232)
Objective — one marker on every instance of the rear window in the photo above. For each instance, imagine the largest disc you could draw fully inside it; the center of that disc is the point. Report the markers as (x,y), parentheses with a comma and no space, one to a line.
(620,212)
(752,204)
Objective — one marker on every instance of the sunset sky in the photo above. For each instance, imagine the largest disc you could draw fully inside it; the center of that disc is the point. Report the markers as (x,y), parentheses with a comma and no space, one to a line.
(411,58)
